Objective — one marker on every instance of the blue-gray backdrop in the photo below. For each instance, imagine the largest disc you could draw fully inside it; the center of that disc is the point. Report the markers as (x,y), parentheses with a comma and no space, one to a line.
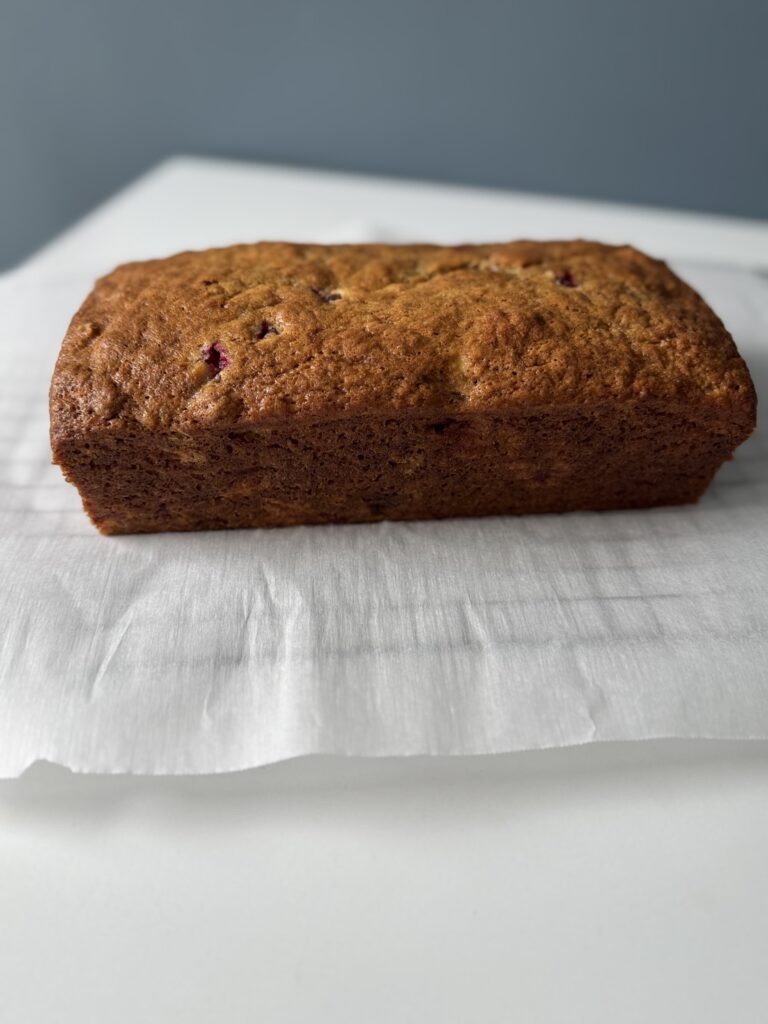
(653,101)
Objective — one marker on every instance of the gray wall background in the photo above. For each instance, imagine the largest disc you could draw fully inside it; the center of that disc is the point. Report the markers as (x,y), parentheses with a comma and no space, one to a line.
(652,101)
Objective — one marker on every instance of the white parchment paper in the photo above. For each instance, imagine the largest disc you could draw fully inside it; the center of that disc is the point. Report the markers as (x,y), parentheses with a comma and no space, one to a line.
(220,651)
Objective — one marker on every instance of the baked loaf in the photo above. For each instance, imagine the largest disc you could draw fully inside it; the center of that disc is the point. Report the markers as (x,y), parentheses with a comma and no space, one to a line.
(272,384)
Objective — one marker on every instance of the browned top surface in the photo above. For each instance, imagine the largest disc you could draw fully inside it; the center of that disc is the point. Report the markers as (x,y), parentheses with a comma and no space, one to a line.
(392,328)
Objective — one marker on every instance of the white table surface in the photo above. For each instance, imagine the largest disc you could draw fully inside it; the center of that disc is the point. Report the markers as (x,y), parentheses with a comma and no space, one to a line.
(612,883)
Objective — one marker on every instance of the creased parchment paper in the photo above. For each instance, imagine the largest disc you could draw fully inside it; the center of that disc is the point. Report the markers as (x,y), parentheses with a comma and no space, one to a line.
(220,651)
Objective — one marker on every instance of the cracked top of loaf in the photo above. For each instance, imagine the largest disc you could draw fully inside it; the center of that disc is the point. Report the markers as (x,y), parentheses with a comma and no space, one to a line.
(253,333)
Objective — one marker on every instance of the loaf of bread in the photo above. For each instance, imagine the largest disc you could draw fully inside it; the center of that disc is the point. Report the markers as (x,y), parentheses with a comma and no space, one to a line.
(275,384)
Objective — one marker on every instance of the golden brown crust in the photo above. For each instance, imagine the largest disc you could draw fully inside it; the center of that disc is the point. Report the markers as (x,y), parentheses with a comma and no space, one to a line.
(283,335)
(467,328)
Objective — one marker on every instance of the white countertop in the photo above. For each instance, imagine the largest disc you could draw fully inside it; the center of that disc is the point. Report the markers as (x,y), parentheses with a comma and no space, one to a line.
(617,882)
(188,203)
